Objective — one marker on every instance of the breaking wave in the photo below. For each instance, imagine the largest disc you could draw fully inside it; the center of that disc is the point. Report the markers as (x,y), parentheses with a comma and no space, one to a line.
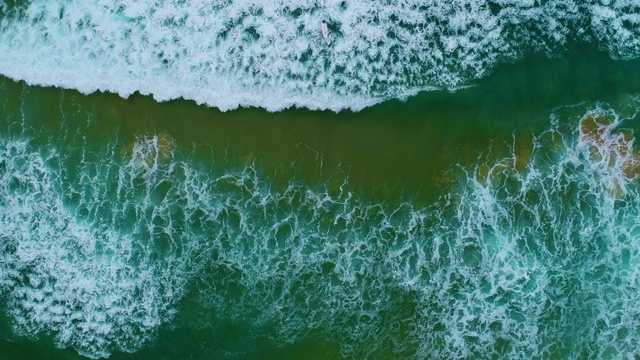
(227,54)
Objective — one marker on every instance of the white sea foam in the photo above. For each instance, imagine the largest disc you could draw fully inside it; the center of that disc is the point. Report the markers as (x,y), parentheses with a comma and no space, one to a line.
(102,277)
(527,257)
(245,53)
(522,261)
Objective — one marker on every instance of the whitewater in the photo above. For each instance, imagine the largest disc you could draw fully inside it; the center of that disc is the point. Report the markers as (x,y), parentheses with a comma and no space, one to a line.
(531,255)
(229,54)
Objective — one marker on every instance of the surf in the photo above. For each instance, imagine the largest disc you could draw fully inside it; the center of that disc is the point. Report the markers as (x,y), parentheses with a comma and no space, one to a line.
(529,254)
(227,54)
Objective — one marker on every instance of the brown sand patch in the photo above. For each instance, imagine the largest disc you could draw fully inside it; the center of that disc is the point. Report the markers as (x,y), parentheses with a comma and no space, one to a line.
(605,145)
(150,150)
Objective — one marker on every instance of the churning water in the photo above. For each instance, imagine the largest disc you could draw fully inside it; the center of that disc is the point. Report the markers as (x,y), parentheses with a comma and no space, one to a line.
(272,54)
(534,254)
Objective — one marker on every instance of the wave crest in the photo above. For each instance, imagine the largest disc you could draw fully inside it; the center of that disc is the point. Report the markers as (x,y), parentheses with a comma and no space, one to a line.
(228,54)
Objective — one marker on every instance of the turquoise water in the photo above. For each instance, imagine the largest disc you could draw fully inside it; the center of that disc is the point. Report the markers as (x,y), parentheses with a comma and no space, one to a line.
(499,220)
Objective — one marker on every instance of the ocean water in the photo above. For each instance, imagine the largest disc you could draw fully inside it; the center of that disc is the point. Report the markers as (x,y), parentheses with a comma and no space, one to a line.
(476,196)
(227,54)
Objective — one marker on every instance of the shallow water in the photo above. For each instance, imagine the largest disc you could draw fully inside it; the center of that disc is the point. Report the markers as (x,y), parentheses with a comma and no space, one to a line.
(496,221)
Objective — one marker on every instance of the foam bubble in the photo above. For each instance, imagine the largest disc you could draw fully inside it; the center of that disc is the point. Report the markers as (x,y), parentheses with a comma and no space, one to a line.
(239,53)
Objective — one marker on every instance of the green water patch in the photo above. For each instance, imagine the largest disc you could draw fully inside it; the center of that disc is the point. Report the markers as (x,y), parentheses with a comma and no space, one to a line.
(10,9)
(388,150)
